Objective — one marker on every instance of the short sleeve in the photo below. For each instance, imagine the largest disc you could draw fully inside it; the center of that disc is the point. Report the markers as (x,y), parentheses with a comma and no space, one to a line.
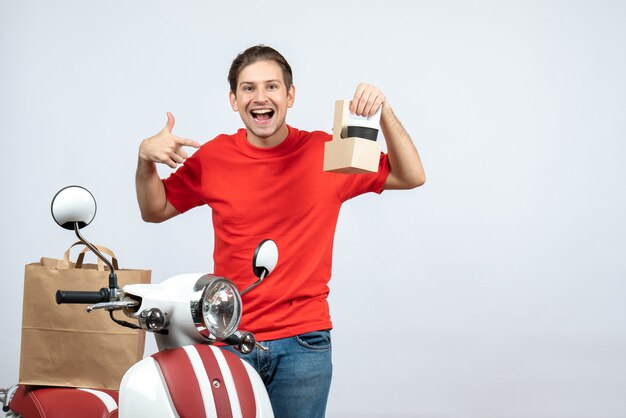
(183,187)
(357,184)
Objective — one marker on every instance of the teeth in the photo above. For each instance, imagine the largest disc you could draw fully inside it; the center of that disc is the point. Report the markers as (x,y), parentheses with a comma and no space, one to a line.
(261,111)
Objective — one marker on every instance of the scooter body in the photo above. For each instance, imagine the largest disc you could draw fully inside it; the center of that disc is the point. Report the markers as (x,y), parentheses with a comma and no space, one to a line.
(188,376)
(181,385)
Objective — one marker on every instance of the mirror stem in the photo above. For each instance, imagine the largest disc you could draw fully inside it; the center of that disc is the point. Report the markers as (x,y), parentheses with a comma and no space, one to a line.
(112,276)
(255,284)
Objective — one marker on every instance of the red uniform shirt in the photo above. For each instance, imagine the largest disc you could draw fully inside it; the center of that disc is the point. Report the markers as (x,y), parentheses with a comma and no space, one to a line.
(281,193)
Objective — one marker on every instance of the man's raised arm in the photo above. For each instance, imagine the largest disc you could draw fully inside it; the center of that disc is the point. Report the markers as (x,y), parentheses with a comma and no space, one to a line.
(407,171)
(164,148)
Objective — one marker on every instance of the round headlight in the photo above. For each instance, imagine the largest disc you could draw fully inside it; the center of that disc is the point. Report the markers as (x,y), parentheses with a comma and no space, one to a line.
(216,307)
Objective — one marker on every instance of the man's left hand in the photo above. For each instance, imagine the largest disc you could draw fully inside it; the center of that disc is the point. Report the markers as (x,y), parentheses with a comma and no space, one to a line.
(367,100)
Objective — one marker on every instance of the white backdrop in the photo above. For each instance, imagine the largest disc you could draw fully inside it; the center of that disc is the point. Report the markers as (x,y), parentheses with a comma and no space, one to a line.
(496,290)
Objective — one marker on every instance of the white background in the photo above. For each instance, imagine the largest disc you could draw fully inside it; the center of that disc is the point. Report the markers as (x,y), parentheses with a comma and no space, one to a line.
(496,290)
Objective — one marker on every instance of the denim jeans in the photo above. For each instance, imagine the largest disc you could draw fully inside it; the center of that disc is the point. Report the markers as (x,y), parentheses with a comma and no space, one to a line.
(297,372)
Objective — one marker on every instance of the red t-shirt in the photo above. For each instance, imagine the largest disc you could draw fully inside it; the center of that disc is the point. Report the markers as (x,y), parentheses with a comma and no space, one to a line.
(280,193)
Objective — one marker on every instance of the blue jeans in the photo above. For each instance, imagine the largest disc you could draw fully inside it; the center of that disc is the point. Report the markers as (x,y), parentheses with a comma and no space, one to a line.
(297,372)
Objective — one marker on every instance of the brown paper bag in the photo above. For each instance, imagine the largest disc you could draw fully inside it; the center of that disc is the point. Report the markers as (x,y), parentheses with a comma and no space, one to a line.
(63,345)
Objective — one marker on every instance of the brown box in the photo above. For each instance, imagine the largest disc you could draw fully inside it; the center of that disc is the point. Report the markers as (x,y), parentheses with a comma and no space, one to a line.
(349,155)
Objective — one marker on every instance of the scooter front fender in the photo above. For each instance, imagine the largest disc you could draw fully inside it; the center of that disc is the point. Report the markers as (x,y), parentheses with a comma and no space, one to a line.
(163,386)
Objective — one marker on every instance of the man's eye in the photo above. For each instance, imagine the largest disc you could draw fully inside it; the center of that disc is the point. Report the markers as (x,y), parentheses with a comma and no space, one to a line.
(247,89)
(272,86)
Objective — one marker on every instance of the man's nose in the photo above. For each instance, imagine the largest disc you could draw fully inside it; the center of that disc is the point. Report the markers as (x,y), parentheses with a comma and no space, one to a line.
(260,96)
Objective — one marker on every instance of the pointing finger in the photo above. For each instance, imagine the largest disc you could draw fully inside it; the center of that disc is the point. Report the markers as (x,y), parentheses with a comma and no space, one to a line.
(187,142)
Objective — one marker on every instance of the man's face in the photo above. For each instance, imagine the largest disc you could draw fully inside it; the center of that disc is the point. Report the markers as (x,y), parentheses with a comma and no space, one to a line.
(262,100)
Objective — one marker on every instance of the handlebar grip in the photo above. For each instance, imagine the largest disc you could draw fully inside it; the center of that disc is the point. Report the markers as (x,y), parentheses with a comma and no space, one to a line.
(244,342)
(79,296)
(234,339)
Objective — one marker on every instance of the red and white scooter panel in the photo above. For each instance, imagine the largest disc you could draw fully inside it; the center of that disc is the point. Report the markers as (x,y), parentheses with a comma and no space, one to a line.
(193,381)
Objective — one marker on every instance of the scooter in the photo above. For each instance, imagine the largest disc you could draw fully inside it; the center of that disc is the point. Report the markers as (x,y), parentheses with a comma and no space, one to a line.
(189,376)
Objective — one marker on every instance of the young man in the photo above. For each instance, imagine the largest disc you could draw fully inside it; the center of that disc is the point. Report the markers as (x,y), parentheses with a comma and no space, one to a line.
(266,181)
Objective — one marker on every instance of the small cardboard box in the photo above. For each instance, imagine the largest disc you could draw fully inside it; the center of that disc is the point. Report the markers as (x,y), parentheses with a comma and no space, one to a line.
(350,155)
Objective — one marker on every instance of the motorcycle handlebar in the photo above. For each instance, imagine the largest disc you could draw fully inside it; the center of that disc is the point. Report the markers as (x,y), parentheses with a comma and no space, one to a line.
(244,342)
(79,296)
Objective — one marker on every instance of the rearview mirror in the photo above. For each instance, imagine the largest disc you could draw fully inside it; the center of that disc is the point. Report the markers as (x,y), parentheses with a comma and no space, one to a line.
(263,262)
(73,205)
(265,258)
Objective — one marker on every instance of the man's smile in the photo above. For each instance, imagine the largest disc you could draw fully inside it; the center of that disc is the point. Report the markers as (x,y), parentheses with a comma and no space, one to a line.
(262,116)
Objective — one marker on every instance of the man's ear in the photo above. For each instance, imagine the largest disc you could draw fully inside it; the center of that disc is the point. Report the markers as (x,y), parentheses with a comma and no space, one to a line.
(291,96)
(233,101)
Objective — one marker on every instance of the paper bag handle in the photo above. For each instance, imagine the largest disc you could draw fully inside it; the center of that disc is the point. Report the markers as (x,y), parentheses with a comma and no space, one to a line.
(81,256)
(102,249)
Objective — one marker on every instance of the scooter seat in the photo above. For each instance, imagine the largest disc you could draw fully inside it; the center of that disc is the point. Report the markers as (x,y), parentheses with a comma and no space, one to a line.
(57,402)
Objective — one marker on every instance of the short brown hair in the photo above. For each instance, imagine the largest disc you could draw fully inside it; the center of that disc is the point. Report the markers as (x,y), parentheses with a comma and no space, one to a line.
(254,54)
